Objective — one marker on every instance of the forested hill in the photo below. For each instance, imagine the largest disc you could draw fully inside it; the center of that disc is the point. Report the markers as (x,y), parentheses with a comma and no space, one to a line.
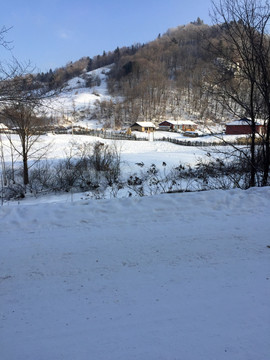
(167,76)
(163,78)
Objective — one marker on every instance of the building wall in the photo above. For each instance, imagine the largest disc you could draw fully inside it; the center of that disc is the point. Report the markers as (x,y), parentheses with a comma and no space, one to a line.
(241,129)
(182,126)
(165,123)
(136,128)
(140,128)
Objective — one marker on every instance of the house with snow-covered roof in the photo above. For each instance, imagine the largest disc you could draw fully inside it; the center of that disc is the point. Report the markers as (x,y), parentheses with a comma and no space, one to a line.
(3,128)
(143,126)
(176,125)
(244,127)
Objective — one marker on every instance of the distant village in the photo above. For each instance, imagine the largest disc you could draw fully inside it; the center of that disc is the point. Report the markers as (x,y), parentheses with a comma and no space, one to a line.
(186,127)
(189,128)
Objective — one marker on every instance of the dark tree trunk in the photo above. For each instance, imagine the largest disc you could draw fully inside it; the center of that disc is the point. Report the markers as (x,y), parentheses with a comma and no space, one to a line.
(25,170)
(252,156)
(266,162)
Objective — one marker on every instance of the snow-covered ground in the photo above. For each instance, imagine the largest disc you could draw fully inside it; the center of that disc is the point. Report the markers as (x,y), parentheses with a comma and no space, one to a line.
(165,156)
(209,137)
(179,276)
(75,97)
(131,152)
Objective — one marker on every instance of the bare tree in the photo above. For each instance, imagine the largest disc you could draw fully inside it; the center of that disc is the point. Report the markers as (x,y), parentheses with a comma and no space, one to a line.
(22,97)
(242,68)
(29,127)
(21,102)
(3,42)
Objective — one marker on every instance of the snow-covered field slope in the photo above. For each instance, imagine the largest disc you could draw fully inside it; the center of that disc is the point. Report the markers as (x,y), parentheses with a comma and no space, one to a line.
(180,276)
(59,147)
(76,97)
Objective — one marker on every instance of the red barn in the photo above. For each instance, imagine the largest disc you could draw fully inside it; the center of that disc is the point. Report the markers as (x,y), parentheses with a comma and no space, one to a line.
(243,127)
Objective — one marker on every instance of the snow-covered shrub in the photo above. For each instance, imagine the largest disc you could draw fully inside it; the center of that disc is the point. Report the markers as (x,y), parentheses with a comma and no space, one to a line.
(41,177)
(105,160)
(152,180)
(13,192)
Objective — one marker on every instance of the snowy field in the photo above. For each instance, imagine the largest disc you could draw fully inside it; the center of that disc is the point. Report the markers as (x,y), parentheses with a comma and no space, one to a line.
(170,277)
(131,152)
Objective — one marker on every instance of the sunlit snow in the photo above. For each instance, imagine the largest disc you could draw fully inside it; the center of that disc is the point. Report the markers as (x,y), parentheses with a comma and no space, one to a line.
(180,276)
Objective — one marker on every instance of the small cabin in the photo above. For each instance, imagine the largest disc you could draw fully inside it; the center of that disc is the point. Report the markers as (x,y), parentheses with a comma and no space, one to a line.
(143,126)
(243,127)
(177,125)
(3,128)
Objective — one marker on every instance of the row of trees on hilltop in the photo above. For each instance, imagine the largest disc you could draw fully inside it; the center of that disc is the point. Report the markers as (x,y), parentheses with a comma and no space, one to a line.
(57,78)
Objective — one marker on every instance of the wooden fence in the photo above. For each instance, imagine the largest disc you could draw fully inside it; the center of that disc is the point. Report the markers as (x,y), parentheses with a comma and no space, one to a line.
(103,134)
(111,135)
(106,134)
(196,143)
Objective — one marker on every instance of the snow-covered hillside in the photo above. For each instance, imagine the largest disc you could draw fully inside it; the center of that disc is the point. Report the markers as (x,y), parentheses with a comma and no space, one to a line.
(182,276)
(76,97)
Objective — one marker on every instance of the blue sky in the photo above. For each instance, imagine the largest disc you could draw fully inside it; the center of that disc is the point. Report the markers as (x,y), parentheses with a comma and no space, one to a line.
(51,33)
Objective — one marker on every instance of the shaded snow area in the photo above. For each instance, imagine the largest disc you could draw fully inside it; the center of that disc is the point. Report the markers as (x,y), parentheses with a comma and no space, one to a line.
(176,276)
